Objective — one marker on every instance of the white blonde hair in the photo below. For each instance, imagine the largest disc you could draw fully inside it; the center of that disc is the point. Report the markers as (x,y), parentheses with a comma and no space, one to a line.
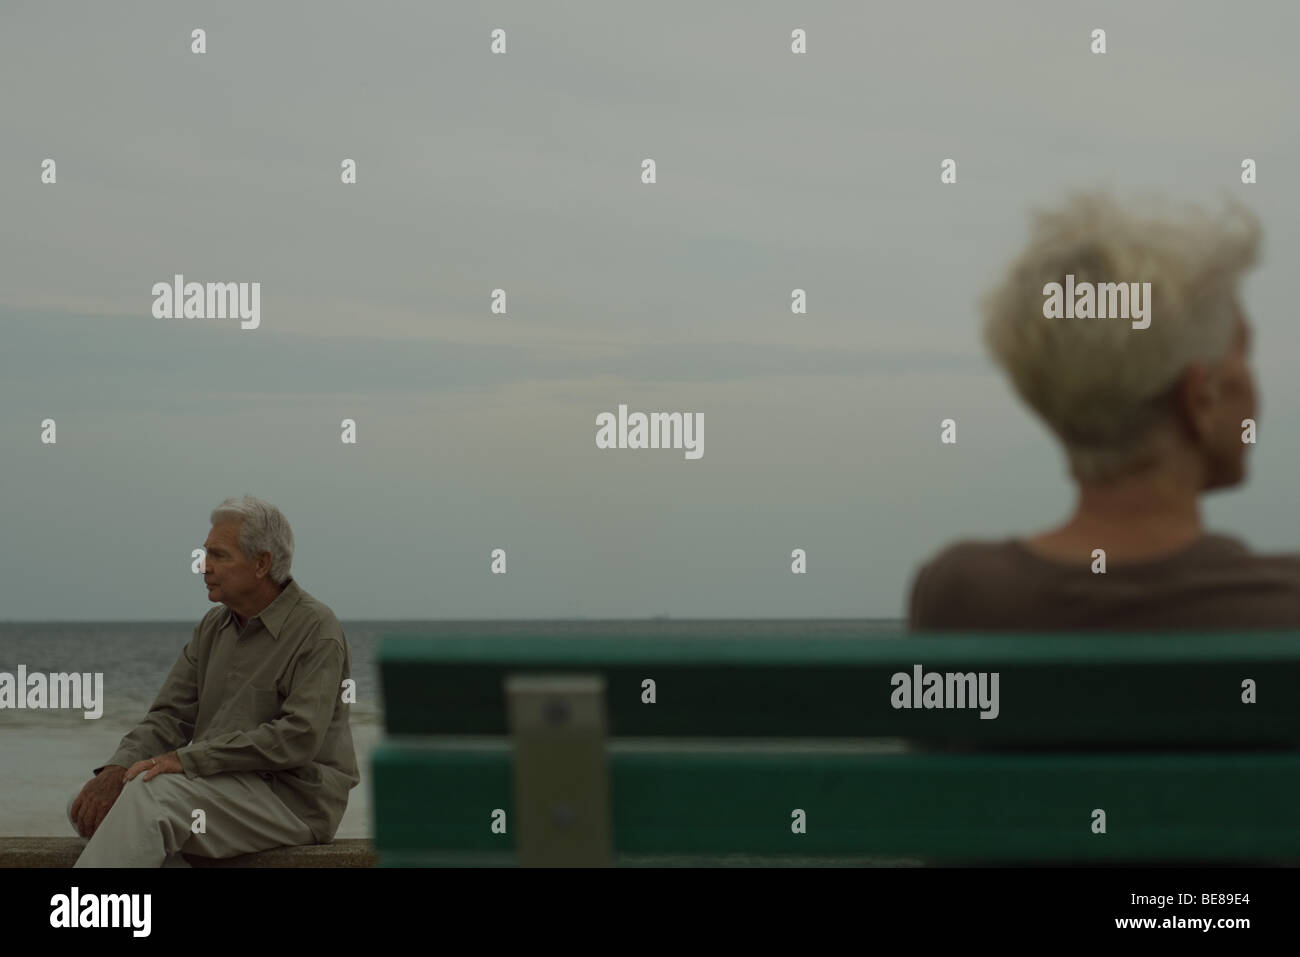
(1103,387)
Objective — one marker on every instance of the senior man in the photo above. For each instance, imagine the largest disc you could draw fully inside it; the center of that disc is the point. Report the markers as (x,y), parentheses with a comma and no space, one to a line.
(250,728)
(1150,418)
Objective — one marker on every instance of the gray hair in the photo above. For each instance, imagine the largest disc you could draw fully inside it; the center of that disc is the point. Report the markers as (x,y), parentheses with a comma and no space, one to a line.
(1104,388)
(263,528)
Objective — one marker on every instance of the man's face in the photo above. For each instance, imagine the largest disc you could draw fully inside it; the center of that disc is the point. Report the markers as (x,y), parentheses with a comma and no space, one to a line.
(229,574)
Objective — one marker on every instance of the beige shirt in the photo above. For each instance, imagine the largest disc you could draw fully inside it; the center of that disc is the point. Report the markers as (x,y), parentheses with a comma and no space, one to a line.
(1213,583)
(267,699)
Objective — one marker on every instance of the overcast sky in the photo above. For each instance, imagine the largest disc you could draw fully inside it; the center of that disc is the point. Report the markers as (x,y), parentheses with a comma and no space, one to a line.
(477,431)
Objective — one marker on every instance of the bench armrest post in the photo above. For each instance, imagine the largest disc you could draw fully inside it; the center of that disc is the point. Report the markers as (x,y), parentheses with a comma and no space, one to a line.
(557,725)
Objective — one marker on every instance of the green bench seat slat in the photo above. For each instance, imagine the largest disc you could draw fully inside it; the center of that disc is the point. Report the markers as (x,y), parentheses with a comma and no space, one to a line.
(433,799)
(1053,689)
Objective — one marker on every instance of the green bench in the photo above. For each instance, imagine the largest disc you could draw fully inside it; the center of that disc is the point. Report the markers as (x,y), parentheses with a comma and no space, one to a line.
(523,748)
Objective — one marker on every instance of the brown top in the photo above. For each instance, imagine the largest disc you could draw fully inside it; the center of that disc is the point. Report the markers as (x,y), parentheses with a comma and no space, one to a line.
(1213,583)
(266,698)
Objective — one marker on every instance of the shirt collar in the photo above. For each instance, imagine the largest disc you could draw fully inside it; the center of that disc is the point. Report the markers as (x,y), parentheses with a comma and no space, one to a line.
(273,615)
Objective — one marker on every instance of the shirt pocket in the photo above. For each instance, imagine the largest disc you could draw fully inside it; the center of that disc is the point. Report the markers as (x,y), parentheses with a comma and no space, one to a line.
(256,707)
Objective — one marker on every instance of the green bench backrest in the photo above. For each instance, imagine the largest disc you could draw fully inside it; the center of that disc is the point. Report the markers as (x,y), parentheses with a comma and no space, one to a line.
(1052,689)
(1197,793)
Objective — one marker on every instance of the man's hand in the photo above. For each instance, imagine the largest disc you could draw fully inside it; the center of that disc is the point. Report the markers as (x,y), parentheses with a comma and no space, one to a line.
(167,763)
(96,799)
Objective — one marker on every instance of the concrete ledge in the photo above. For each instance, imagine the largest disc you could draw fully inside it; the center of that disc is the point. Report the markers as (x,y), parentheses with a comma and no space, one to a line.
(64,851)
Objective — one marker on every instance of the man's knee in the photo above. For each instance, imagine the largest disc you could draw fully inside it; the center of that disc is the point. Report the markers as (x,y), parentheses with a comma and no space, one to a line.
(163,800)
(167,796)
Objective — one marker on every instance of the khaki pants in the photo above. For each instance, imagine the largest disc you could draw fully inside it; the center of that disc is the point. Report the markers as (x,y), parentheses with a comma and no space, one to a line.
(149,824)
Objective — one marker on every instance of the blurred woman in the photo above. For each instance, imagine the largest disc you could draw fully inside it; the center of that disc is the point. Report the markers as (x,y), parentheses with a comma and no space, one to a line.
(1150,419)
